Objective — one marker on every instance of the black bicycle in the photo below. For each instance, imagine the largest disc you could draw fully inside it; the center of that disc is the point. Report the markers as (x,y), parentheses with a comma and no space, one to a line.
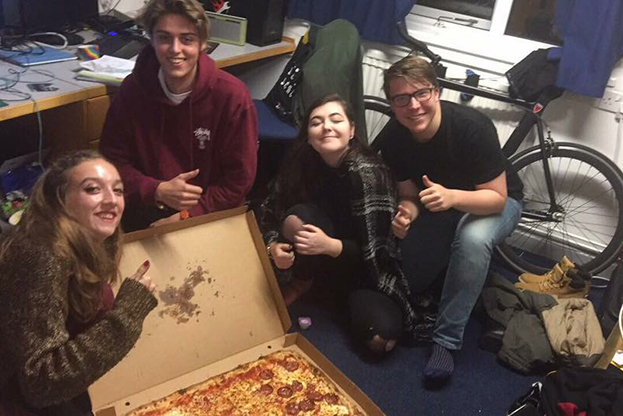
(573,195)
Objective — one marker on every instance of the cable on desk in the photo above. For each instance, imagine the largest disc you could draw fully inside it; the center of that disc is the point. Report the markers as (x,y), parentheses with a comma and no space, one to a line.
(24,95)
(63,38)
(9,88)
(40,148)
(10,42)
(9,85)
(26,48)
(44,72)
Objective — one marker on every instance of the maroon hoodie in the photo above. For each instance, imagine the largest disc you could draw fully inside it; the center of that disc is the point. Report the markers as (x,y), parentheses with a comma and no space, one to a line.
(151,140)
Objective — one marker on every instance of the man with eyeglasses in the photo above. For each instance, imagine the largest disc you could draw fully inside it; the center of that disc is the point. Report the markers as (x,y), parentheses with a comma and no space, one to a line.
(458,199)
(181,132)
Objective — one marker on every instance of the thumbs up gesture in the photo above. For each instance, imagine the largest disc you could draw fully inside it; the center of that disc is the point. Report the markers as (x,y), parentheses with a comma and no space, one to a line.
(402,222)
(177,193)
(436,197)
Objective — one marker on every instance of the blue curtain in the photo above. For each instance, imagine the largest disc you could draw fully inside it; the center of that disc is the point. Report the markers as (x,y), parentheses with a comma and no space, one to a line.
(375,19)
(592,33)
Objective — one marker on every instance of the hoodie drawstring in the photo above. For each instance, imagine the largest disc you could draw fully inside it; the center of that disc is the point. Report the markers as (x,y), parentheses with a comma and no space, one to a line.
(190,121)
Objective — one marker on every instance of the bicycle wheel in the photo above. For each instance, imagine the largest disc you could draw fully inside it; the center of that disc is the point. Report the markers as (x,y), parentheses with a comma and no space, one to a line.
(585,223)
(377,114)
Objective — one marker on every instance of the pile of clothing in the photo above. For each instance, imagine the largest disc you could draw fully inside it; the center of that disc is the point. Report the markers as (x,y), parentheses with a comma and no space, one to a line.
(542,322)
(574,392)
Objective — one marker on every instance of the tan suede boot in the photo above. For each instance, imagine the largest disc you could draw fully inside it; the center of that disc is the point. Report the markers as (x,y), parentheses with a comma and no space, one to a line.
(558,284)
(565,264)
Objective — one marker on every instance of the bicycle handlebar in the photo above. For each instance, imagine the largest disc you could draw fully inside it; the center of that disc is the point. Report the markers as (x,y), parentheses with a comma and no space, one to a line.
(485,93)
(453,85)
(418,45)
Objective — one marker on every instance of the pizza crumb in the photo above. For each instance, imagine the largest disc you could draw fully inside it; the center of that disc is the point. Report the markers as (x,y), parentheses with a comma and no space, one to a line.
(177,300)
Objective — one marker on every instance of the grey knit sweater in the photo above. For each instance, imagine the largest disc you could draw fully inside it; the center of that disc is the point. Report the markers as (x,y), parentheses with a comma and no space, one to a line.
(35,346)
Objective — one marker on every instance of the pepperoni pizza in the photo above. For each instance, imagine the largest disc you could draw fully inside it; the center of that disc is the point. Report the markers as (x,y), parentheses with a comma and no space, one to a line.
(282,383)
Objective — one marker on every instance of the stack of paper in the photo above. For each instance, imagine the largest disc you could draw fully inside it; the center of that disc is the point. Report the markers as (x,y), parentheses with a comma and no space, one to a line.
(107,69)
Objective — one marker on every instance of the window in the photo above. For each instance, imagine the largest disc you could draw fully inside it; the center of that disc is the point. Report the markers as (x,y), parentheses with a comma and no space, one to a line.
(534,20)
(475,13)
(527,19)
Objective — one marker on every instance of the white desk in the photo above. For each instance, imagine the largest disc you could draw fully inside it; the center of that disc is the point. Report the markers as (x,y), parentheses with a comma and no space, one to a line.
(73,116)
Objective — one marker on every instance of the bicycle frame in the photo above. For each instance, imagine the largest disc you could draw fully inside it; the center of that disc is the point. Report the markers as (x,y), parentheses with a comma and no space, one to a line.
(529,119)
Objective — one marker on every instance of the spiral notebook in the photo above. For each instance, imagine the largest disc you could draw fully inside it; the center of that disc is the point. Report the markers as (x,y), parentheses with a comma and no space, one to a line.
(36,56)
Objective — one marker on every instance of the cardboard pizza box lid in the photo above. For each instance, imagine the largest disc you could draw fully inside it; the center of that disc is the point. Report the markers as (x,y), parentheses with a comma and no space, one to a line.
(294,342)
(217,296)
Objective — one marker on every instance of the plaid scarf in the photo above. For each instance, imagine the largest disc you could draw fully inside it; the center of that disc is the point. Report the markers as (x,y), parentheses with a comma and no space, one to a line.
(373,205)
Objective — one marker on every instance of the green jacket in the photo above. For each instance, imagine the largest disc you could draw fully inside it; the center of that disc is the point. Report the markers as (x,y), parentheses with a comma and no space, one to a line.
(525,346)
(334,66)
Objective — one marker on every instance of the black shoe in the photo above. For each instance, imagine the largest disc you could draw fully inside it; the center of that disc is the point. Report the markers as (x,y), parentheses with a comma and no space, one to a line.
(579,278)
(528,404)
(491,339)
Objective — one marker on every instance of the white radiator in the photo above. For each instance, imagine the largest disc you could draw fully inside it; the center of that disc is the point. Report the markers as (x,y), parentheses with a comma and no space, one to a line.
(504,116)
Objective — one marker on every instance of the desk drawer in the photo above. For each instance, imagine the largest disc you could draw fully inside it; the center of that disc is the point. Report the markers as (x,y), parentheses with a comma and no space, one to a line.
(96,109)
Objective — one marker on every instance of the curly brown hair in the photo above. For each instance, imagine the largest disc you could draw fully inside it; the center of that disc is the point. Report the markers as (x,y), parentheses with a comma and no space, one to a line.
(47,220)
(190,9)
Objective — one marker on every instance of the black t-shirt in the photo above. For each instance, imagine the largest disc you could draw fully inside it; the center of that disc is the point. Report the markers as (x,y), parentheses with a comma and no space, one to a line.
(464,152)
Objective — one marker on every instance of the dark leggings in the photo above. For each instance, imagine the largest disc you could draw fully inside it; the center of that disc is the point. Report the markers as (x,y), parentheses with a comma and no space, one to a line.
(371,312)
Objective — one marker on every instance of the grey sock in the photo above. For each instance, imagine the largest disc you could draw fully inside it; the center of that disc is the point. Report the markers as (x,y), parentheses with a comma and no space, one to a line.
(440,365)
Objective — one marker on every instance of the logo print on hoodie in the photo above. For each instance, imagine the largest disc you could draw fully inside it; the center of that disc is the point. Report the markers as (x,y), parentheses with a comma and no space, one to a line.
(202,135)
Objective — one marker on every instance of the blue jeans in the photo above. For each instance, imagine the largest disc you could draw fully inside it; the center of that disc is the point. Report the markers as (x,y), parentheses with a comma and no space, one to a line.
(464,243)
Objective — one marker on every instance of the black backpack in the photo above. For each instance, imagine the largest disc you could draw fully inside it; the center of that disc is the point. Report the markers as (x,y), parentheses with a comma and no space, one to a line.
(280,97)
(612,300)
(534,75)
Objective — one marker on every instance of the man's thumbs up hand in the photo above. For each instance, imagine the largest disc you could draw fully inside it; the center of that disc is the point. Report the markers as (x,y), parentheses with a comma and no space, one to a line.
(435,197)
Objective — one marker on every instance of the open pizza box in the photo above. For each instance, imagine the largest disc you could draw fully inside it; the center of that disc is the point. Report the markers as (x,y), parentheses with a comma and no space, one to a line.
(219,306)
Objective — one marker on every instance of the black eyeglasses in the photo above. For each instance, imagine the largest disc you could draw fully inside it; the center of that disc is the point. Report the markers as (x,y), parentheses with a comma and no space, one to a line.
(420,96)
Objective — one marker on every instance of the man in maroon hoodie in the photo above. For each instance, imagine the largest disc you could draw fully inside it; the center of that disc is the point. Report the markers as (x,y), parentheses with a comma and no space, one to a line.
(182,133)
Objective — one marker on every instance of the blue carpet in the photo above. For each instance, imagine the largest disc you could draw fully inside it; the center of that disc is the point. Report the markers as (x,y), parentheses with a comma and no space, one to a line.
(479,386)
